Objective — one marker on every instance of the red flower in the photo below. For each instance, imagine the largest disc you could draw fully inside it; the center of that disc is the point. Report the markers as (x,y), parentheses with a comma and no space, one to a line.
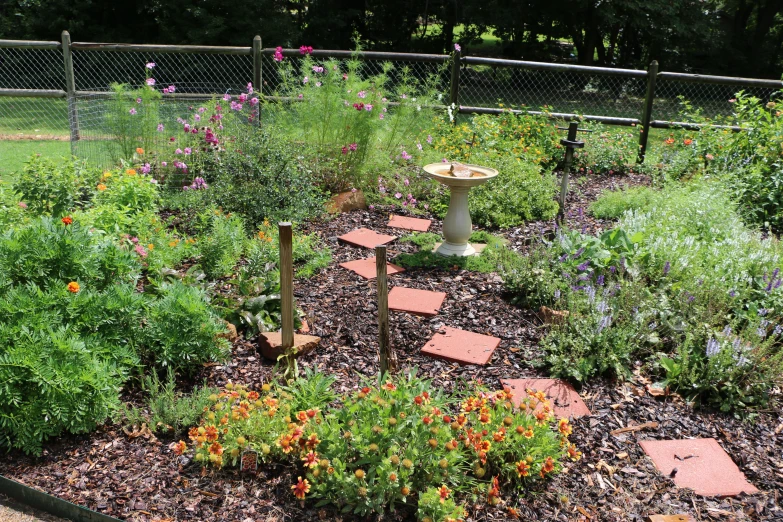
(310,460)
(301,488)
(179,447)
(426,420)
(523,469)
(443,491)
(67,220)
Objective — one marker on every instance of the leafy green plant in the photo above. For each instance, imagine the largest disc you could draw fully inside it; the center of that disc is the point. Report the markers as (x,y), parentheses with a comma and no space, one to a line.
(487,261)
(50,187)
(612,204)
(312,390)
(133,118)
(181,330)
(257,305)
(222,245)
(166,410)
(309,254)
(128,190)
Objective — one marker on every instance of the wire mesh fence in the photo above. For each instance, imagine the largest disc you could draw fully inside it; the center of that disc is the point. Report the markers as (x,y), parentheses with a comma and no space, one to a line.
(33,86)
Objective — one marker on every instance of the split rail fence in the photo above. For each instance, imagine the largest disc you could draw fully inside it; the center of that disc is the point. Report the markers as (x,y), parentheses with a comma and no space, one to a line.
(62,89)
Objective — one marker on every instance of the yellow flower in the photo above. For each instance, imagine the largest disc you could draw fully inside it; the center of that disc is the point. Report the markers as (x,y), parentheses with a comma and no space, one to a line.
(73,287)
(150,247)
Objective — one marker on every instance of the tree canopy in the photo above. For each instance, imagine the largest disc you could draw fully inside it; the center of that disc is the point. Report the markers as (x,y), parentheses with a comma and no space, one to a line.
(732,37)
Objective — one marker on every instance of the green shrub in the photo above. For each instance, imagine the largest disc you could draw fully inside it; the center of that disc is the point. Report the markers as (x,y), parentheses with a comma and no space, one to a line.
(181,330)
(128,190)
(312,390)
(51,383)
(607,151)
(53,187)
(612,204)
(132,119)
(222,246)
(310,255)
(47,252)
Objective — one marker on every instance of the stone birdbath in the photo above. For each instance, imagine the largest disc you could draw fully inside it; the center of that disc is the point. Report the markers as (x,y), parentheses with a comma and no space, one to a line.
(457,226)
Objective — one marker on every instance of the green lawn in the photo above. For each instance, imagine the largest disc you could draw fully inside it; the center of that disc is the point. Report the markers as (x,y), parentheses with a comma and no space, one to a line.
(13,153)
(33,116)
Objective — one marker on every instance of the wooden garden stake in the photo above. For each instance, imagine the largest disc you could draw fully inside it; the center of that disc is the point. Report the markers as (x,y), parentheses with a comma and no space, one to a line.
(387,356)
(287,297)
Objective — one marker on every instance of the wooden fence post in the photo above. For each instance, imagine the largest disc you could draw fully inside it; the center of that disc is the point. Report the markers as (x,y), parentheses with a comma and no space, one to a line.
(455,64)
(258,78)
(70,89)
(652,75)
(387,357)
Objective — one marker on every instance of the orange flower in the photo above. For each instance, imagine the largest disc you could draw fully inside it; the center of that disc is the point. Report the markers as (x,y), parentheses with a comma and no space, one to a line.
(514,513)
(541,417)
(216,448)
(523,469)
(139,150)
(253,396)
(179,447)
(67,220)
(101,187)
(390,386)
(301,488)
(564,428)
(443,491)
(211,433)
(573,454)
(484,418)
(73,287)
(687,141)
(312,441)
(310,460)
(193,433)
(669,141)
(499,436)
(130,172)
(311,413)
(493,497)
(285,443)
(426,420)
(547,467)
(529,432)
(301,416)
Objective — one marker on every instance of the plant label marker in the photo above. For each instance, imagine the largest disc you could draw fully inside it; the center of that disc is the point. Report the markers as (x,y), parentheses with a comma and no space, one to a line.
(249,462)
(570,143)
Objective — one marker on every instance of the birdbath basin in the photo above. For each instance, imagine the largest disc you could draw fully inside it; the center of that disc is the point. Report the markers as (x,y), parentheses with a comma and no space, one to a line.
(457,226)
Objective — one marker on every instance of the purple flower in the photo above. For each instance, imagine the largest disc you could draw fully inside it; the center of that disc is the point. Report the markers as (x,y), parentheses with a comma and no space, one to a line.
(172,88)
(398,195)
(406,182)
(317,69)
(361,94)
(138,100)
(429,138)
(713,348)
(406,156)
(584,266)
(368,107)
(150,81)
(353,146)
(145,169)
(372,207)
(733,293)
(188,151)
(132,111)
(600,280)
(666,267)
(305,79)
(178,151)
(160,127)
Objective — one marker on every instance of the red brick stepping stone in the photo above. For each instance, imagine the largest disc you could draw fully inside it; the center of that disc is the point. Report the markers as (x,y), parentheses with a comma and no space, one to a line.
(409,223)
(566,402)
(364,237)
(671,518)
(461,347)
(418,302)
(701,465)
(366,268)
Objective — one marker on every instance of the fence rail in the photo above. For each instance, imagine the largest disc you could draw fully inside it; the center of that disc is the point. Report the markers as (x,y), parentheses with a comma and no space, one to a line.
(35,74)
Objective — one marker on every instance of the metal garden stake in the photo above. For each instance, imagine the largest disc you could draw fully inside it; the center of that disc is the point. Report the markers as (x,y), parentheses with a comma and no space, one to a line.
(570,143)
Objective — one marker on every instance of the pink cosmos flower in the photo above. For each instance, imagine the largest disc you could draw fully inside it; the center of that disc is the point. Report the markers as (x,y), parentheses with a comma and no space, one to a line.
(406,182)
(132,111)
(306,79)
(358,106)
(301,95)
(150,81)
(188,151)
(197,117)
(153,181)
(398,195)
(406,156)
(186,127)
(353,146)
(160,127)
(305,49)
(178,151)
(165,90)
(457,47)
(278,54)
(345,76)
(172,88)
(163,163)
(134,240)
(368,107)
(381,116)
(138,100)
(361,94)
(202,110)
(429,138)
(145,169)
(344,150)
(226,97)
(22,205)
(372,207)
(243,97)
(317,69)
(140,250)
(150,65)
(250,87)
(353,190)
(253,101)
(317,84)
(418,146)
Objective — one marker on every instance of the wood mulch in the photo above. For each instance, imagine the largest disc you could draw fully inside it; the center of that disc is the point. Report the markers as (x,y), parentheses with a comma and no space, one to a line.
(140,479)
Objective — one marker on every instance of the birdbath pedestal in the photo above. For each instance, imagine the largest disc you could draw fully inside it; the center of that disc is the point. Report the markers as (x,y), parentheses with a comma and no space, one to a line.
(457,226)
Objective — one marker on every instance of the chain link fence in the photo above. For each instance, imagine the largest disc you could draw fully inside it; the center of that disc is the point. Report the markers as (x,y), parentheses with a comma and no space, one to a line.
(33,86)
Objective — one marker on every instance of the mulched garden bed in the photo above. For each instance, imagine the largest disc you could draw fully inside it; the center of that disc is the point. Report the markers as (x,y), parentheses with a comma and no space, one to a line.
(138,478)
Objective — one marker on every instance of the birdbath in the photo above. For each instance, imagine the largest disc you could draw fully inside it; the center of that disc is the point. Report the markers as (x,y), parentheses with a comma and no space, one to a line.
(457,226)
